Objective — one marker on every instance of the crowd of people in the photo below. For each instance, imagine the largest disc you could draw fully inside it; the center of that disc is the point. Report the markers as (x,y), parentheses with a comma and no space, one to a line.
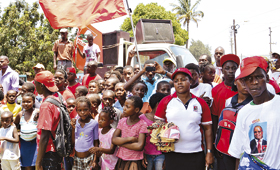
(110,114)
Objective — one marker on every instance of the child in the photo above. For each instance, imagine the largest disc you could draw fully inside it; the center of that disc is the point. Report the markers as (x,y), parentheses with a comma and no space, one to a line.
(108,150)
(91,68)
(164,87)
(152,157)
(102,85)
(71,104)
(1,98)
(30,87)
(27,122)
(120,95)
(139,89)
(11,105)
(9,143)
(108,100)
(93,87)
(81,91)
(117,75)
(110,83)
(130,136)
(208,71)
(128,72)
(91,51)
(107,75)
(84,136)
(60,80)
(95,103)
(71,77)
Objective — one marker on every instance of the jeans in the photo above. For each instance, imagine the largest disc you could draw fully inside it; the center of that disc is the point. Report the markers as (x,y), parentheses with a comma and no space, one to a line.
(155,160)
(64,64)
(68,163)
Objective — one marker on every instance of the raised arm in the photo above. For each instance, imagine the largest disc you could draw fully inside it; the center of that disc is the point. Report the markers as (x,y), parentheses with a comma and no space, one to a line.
(79,51)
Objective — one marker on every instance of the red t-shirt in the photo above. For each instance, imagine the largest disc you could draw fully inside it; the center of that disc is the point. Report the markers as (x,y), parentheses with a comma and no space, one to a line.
(73,88)
(48,120)
(220,94)
(273,82)
(87,79)
(66,94)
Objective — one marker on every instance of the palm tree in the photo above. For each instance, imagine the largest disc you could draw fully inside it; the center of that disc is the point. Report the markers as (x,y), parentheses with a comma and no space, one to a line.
(187,13)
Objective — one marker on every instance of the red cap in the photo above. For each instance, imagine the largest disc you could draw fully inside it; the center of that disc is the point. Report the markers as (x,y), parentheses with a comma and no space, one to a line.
(71,70)
(229,57)
(181,70)
(250,64)
(46,78)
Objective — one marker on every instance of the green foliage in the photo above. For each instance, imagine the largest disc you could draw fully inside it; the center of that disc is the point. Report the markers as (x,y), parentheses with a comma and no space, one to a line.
(186,13)
(155,11)
(26,37)
(197,48)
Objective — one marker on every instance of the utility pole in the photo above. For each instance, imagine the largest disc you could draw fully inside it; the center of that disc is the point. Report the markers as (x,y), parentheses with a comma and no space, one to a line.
(231,42)
(234,28)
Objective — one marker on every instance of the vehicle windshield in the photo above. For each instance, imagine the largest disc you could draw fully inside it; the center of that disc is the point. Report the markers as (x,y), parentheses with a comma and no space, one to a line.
(187,57)
(158,56)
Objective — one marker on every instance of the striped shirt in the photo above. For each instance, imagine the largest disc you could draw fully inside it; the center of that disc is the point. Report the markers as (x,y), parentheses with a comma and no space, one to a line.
(28,130)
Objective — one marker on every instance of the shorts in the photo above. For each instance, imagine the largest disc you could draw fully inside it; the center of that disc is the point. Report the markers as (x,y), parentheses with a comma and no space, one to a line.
(83,163)
(10,164)
(64,64)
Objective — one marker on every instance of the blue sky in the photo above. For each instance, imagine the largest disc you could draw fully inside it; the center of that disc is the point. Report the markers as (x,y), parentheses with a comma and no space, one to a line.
(253,16)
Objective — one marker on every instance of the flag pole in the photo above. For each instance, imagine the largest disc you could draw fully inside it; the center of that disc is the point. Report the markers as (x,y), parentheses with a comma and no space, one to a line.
(132,26)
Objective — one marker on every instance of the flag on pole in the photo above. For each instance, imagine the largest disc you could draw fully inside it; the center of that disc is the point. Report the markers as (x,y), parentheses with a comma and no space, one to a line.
(80,13)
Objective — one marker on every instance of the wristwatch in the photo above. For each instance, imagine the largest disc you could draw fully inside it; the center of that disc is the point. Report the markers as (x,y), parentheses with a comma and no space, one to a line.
(165,73)
(209,151)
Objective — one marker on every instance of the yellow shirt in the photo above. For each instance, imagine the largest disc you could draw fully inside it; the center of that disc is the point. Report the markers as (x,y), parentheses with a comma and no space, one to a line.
(14,108)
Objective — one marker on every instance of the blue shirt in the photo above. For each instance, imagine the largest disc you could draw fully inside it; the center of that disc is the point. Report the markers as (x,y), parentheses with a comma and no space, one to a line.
(151,87)
(118,106)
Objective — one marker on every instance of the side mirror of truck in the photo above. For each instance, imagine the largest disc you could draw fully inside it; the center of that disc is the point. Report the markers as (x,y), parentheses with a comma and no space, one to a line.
(179,61)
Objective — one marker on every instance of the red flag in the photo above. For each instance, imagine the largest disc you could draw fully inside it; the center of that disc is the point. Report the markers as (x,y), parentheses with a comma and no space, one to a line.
(80,13)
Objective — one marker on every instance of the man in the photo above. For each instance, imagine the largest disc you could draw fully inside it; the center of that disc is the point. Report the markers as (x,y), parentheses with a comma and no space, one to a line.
(219,52)
(222,91)
(49,118)
(63,51)
(262,111)
(8,77)
(258,144)
(169,65)
(38,68)
(275,63)
(91,51)
(91,68)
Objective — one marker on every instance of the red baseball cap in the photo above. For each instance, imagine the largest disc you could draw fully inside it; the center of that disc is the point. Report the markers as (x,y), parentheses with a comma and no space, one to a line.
(250,64)
(229,57)
(46,78)
(71,70)
(181,70)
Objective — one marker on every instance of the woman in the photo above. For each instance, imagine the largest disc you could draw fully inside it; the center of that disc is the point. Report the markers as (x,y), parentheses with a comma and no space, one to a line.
(190,114)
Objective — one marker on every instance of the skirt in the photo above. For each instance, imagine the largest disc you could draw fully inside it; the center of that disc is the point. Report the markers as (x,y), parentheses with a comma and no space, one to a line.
(28,151)
(188,161)
(129,165)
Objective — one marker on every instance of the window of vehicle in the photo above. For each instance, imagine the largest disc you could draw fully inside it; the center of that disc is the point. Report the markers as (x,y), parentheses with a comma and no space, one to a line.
(187,57)
(157,56)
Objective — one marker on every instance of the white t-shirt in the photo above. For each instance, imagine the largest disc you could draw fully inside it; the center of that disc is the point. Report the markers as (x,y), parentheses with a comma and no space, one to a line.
(267,116)
(187,118)
(91,52)
(201,88)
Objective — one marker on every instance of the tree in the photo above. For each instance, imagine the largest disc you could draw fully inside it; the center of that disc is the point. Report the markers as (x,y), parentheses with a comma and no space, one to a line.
(155,11)
(197,48)
(187,13)
(26,37)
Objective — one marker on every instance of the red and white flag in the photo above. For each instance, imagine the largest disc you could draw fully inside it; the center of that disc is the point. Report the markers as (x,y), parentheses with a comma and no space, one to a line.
(80,13)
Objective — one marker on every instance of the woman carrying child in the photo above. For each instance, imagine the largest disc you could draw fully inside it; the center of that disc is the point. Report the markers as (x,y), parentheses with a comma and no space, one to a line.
(130,136)
(84,136)
(26,120)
